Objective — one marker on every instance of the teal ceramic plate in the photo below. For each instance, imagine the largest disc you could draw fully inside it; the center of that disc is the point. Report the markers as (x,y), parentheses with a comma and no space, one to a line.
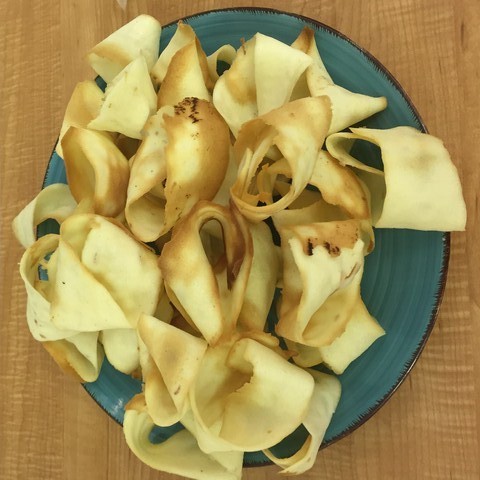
(404,276)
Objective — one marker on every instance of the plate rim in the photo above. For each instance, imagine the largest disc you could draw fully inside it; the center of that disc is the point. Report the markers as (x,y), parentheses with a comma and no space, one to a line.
(446,237)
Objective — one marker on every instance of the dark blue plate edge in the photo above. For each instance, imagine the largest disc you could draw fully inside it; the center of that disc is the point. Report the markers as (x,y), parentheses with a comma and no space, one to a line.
(446,235)
(416,354)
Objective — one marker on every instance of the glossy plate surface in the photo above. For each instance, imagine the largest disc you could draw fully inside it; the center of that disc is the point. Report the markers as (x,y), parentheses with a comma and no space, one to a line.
(404,276)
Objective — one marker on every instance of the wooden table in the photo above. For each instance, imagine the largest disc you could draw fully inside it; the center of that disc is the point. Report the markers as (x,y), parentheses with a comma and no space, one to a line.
(49,426)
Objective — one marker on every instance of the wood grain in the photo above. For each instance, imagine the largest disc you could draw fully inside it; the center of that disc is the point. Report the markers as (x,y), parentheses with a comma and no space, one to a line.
(430,429)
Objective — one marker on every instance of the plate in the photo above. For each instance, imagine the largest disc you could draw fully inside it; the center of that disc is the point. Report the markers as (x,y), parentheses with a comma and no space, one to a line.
(404,276)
